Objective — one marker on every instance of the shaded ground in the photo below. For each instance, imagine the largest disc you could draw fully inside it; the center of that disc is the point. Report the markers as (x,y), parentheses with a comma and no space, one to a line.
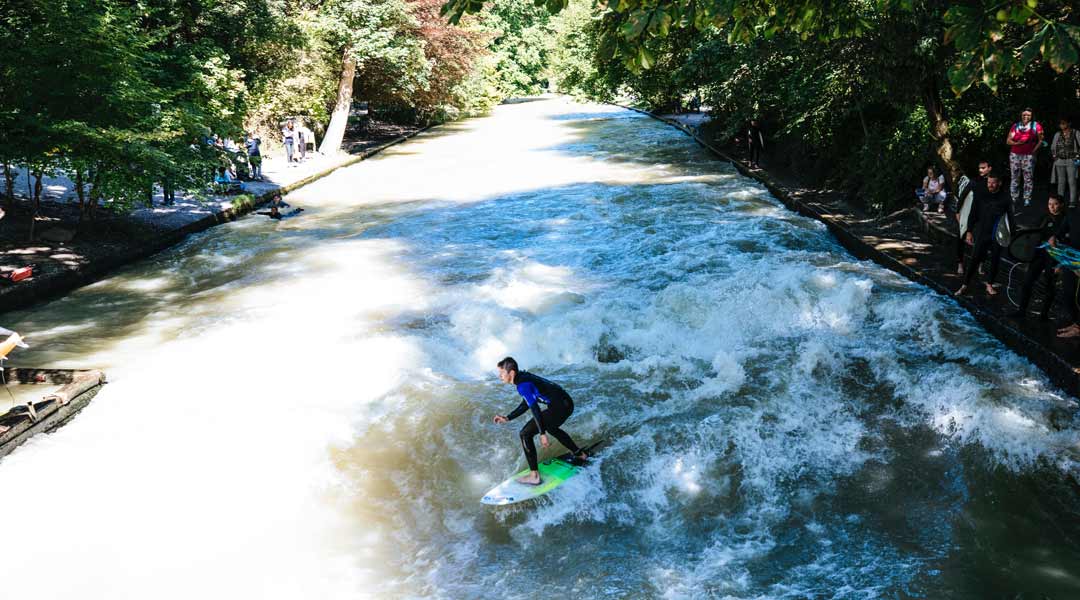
(113,238)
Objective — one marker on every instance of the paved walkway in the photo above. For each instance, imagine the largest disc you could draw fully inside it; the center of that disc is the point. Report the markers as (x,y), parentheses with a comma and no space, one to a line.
(115,240)
(188,209)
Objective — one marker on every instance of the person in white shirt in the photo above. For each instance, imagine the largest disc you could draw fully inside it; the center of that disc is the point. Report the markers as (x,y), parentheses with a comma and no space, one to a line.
(932,190)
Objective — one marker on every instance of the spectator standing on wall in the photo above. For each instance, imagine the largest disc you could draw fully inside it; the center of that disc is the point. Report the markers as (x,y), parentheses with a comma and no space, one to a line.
(932,190)
(991,204)
(985,168)
(288,137)
(1065,149)
(755,142)
(1024,139)
(252,144)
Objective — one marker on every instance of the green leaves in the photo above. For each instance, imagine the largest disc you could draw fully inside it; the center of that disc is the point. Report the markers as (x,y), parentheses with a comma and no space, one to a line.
(994,39)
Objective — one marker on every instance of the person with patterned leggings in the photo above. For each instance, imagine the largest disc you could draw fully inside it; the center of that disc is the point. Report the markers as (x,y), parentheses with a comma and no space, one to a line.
(1024,139)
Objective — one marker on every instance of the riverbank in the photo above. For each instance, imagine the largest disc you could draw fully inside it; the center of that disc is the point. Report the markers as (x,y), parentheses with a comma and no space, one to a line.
(116,239)
(922,248)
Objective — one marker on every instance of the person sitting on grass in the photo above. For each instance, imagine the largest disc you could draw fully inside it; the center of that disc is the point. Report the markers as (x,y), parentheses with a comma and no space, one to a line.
(932,190)
(1053,228)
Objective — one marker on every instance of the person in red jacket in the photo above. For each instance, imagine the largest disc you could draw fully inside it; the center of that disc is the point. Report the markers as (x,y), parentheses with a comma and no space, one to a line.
(1024,139)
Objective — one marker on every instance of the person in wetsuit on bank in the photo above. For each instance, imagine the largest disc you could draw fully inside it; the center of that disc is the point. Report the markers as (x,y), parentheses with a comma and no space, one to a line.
(991,205)
(536,390)
(1053,227)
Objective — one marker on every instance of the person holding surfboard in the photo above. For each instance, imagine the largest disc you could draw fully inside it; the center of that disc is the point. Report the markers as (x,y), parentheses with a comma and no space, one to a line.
(536,391)
(991,205)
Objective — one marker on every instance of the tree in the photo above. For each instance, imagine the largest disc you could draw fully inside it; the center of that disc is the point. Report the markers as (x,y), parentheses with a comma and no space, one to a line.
(363,31)
(991,37)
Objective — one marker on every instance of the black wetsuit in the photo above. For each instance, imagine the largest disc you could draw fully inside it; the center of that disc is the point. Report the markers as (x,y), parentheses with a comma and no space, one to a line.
(755,142)
(280,215)
(988,208)
(1051,226)
(1069,278)
(536,390)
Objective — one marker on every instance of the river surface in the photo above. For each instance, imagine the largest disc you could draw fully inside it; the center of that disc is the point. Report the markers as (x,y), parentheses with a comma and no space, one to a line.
(303,409)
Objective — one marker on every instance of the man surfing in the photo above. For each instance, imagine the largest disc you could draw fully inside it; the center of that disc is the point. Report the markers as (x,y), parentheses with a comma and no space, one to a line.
(536,390)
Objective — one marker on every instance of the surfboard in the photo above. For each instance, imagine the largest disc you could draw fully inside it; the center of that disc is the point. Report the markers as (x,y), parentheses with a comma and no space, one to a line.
(1003,231)
(1024,244)
(553,473)
(966,202)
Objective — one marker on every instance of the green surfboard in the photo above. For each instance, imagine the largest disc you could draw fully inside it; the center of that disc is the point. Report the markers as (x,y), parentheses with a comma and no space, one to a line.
(553,473)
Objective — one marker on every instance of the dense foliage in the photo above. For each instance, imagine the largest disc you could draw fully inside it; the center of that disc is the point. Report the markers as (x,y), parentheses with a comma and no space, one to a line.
(865,100)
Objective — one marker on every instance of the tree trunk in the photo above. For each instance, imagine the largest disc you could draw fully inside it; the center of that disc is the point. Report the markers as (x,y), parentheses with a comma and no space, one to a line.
(80,191)
(335,132)
(9,187)
(939,131)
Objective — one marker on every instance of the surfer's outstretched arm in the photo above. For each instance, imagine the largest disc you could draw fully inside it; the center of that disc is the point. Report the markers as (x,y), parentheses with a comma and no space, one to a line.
(517,412)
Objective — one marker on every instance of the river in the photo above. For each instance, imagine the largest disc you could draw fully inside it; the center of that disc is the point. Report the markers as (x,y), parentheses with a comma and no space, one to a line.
(303,409)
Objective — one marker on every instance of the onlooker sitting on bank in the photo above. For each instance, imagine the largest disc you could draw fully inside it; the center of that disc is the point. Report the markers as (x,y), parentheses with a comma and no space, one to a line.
(252,144)
(1024,139)
(1065,149)
(224,183)
(1053,227)
(932,190)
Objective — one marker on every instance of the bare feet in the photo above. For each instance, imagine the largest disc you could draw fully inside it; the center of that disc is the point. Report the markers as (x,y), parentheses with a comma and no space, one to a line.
(990,291)
(1069,332)
(960,292)
(583,457)
(532,478)
(960,269)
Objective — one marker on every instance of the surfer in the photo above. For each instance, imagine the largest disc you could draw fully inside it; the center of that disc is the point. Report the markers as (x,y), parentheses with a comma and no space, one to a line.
(991,205)
(536,390)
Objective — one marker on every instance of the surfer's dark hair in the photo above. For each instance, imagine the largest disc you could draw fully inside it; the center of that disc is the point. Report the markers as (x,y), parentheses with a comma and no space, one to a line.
(508,364)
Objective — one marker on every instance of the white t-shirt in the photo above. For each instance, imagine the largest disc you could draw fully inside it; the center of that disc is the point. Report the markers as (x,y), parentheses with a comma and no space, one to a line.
(934,186)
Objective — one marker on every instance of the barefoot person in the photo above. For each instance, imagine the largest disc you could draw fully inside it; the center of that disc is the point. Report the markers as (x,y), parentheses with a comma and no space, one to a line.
(991,204)
(536,390)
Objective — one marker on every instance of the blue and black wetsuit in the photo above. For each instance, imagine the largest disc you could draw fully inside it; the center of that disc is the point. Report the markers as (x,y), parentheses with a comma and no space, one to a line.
(536,391)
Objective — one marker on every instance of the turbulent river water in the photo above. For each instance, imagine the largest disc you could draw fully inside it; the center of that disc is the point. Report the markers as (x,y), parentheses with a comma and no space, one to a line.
(303,409)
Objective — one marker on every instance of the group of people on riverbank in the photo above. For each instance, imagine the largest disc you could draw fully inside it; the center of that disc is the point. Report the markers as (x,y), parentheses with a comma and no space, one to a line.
(242,162)
(1024,139)
(990,224)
